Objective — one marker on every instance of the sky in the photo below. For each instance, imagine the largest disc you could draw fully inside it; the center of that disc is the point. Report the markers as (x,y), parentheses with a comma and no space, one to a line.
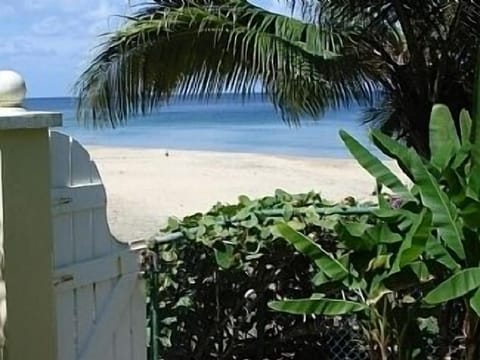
(49,42)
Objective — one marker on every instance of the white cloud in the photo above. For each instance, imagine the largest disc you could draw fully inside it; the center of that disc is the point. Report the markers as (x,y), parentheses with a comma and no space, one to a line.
(54,38)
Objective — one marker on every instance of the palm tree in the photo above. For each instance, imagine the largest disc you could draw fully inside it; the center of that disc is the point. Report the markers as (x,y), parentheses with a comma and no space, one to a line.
(394,57)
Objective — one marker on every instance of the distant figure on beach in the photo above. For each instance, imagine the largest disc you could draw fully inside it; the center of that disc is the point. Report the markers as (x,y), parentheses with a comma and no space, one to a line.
(166,153)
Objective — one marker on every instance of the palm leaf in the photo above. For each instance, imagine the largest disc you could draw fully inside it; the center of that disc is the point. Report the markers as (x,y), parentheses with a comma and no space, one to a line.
(395,58)
(205,49)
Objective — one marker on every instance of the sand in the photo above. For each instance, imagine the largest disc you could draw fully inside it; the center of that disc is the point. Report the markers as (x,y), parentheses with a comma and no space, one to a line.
(145,187)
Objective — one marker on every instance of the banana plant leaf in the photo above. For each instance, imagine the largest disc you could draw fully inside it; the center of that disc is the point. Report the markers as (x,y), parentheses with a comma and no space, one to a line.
(329,307)
(435,250)
(394,149)
(454,287)
(473,187)
(444,213)
(444,142)
(375,167)
(475,302)
(356,235)
(465,127)
(323,259)
(415,241)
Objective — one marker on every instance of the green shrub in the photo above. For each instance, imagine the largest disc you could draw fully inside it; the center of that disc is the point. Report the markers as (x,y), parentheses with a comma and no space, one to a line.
(214,283)
(420,259)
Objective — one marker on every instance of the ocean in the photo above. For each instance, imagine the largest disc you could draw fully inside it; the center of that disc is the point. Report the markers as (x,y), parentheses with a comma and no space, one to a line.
(228,124)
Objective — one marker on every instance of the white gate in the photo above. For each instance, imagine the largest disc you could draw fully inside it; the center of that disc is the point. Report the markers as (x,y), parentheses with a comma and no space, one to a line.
(100,298)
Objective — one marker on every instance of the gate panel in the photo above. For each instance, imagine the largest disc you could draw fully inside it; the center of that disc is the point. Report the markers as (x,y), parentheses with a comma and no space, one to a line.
(100,302)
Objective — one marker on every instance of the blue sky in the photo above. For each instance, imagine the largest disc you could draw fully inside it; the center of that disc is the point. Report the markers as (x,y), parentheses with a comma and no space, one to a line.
(50,41)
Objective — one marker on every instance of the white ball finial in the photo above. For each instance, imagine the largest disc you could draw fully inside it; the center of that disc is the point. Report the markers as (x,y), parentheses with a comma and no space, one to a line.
(12,89)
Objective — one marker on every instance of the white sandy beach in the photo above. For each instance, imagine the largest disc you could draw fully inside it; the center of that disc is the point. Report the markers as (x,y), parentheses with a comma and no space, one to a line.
(144,186)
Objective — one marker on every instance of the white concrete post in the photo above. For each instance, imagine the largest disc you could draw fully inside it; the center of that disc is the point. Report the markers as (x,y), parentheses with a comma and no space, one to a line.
(27,224)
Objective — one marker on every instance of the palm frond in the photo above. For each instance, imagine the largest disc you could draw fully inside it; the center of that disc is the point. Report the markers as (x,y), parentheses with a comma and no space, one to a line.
(397,57)
(205,49)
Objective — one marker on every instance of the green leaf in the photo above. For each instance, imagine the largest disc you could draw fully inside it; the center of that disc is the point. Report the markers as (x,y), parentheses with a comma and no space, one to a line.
(374,166)
(244,200)
(184,301)
(288,212)
(444,142)
(435,250)
(169,256)
(429,325)
(465,127)
(355,236)
(200,231)
(475,302)
(393,149)
(169,320)
(224,257)
(388,214)
(461,157)
(320,278)
(283,196)
(416,239)
(470,213)
(456,286)
(328,307)
(384,235)
(473,186)
(173,224)
(243,214)
(379,262)
(296,225)
(383,203)
(323,259)
(208,221)
(421,271)
(377,293)
(444,212)
(250,223)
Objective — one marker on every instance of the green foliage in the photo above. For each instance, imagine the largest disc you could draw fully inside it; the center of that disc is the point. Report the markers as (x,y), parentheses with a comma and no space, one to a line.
(460,284)
(330,307)
(374,166)
(414,256)
(213,283)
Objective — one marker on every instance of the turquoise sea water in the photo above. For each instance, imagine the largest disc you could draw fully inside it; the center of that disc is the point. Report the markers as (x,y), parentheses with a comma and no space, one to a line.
(228,124)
